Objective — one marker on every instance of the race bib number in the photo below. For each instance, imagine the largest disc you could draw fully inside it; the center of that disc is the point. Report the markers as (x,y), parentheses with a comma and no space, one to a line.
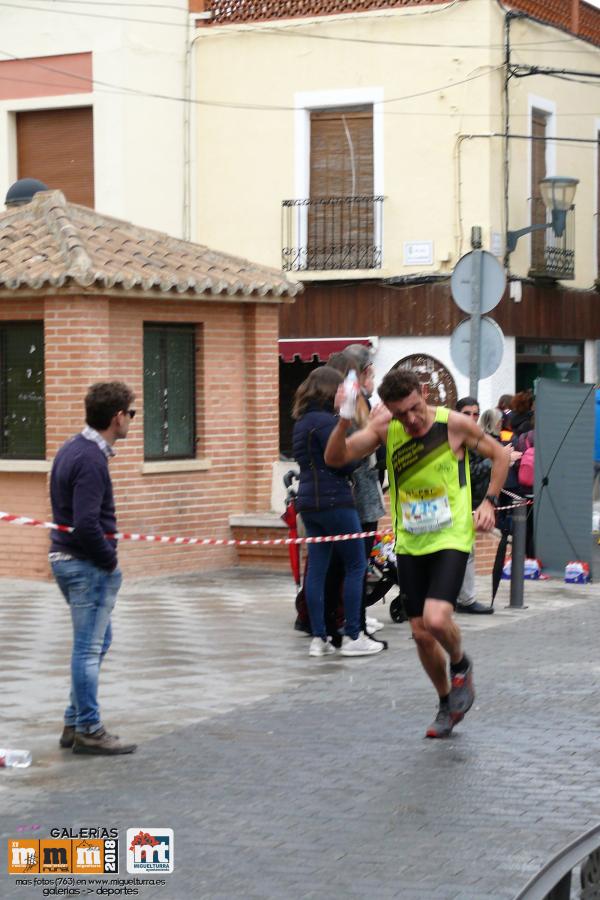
(425,510)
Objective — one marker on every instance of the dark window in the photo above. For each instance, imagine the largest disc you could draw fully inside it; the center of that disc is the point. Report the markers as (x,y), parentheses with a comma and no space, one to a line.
(22,391)
(169,401)
(291,376)
(547,359)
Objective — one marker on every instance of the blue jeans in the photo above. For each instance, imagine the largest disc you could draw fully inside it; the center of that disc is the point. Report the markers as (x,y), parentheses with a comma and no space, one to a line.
(91,594)
(352,554)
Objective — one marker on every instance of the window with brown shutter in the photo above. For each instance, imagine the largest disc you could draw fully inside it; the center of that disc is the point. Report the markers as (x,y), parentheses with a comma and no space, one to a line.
(341,152)
(341,220)
(539,121)
(57,146)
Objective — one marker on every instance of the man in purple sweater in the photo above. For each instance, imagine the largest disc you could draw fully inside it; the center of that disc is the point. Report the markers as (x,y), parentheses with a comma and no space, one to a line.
(84,561)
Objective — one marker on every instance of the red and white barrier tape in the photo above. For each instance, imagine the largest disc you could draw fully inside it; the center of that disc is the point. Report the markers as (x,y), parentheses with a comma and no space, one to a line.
(200,542)
(519,500)
(217,542)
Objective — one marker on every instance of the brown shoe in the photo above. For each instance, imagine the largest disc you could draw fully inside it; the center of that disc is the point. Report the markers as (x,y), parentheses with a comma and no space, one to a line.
(67,737)
(101,743)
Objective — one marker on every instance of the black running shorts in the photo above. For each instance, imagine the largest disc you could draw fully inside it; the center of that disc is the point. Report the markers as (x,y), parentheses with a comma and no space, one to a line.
(438,576)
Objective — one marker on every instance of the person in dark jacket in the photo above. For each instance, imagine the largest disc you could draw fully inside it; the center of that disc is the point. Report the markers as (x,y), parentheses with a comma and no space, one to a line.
(521,417)
(326,503)
(84,560)
(522,442)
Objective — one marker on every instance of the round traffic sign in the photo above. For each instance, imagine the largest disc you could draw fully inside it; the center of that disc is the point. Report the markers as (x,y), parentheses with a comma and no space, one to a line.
(491,347)
(493,282)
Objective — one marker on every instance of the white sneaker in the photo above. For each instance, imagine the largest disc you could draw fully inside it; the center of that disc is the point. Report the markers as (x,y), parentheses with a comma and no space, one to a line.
(373,625)
(319,647)
(362,646)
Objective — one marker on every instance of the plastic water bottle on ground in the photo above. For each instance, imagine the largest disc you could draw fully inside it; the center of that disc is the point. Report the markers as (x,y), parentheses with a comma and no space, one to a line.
(14,759)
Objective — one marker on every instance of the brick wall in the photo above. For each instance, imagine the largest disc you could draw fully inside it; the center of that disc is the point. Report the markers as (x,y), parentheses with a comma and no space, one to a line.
(485,553)
(261,403)
(272,558)
(93,338)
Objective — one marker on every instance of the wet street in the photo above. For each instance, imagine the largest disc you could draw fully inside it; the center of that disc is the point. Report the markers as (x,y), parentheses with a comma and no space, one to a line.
(288,777)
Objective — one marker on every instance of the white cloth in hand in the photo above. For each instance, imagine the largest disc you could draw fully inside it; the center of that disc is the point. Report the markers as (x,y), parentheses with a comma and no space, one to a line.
(350,390)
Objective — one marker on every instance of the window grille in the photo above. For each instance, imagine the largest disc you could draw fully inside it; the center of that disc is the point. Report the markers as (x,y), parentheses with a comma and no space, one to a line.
(169,392)
(22,406)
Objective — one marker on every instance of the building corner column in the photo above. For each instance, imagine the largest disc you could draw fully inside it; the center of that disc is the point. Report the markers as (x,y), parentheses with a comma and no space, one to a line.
(261,403)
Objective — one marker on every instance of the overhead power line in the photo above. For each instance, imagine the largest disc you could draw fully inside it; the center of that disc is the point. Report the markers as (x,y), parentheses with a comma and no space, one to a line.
(119,90)
(90,15)
(181,8)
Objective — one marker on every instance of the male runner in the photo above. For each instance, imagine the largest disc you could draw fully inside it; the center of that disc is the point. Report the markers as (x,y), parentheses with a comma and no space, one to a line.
(430,501)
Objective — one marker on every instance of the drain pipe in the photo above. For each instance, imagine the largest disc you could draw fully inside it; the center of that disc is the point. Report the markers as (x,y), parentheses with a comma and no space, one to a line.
(509,16)
(198,13)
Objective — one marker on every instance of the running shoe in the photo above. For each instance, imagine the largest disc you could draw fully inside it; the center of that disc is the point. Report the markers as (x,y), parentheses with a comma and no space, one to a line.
(319,647)
(373,624)
(462,692)
(443,723)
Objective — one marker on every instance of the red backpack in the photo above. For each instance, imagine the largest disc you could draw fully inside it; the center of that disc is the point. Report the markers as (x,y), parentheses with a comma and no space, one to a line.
(526,474)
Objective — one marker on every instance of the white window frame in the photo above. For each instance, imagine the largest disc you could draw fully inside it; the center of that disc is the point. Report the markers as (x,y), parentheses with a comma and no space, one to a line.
(306,102)
(8,128)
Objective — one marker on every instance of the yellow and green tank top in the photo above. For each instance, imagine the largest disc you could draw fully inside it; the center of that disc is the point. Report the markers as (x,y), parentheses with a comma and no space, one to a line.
(430,490)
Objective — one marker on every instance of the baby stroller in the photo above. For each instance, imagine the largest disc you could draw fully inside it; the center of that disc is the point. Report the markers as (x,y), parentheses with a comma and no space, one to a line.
(382,577)
(382,574)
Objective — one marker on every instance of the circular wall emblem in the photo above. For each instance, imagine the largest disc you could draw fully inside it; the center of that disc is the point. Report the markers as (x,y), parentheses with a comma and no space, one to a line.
(433,373)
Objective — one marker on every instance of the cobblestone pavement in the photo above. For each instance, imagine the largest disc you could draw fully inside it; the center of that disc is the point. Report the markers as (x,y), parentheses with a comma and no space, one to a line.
(288,777)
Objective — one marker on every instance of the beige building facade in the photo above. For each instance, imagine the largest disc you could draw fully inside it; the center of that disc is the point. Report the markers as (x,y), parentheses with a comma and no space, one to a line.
(357,144)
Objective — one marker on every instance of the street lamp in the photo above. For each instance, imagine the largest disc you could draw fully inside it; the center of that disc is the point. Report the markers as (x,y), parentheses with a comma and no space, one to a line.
(558,193)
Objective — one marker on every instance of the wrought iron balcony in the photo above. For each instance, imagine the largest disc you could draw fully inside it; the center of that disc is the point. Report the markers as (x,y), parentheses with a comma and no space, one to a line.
(552,256)
(332,233)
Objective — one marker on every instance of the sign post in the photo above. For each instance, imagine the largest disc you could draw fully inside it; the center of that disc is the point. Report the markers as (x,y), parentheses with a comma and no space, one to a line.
(477,285)
(475,355)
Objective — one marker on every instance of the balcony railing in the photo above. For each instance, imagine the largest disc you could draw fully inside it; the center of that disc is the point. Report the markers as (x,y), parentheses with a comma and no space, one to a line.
(556,257)
(332,233)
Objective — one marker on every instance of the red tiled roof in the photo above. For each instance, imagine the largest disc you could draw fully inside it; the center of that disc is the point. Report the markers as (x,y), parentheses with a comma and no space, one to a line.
(52,243)
(556,12)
